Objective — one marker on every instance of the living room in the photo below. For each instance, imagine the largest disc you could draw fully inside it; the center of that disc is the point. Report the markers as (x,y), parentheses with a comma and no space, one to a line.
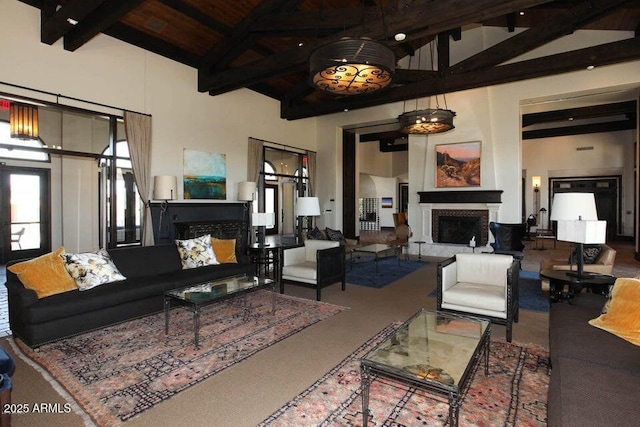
(110,72)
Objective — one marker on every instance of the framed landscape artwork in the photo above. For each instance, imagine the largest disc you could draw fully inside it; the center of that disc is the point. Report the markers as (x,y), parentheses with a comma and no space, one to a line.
(458,164)
(205,175)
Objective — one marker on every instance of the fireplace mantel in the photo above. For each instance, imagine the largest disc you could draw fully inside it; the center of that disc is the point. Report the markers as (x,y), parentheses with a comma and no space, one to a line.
(464,196)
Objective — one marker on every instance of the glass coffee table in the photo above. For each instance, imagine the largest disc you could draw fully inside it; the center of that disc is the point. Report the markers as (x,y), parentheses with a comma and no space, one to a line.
(434,351)
(196,296)
(378,250)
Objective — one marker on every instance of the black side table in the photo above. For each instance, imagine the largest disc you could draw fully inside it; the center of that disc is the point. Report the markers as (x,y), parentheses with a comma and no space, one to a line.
(565,286)
(266,260)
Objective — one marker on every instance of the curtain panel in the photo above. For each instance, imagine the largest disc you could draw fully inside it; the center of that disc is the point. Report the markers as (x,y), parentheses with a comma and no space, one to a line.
(138,129)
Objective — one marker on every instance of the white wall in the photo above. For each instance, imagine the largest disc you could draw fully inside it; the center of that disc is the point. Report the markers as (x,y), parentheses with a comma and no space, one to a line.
(108,71)
(612,154)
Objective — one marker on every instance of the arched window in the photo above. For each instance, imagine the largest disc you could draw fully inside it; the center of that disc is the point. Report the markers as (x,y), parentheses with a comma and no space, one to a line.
(269,171)
(17,153)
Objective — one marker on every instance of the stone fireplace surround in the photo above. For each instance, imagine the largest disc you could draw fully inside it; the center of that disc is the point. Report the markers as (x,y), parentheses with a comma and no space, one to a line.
(435,203)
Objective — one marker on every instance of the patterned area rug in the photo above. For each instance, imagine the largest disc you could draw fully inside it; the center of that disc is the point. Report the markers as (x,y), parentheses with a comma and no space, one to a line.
(363,270)
(118,372)
(514,394)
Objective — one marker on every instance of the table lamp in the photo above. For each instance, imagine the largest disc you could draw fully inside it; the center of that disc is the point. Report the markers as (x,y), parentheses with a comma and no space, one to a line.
(262,220)
(305,207)
(578,223)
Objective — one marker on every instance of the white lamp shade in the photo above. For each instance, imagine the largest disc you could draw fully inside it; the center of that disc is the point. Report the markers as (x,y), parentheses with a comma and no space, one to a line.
(246,190)
(165,187)
(263,219)
(573,206)
(307,206)
(589,232)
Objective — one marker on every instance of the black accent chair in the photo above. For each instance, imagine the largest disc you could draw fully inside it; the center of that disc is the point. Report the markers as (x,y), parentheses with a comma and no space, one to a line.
(508,238)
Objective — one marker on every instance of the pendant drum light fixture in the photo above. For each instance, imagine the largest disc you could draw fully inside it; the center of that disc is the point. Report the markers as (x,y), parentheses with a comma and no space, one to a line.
(23,121)
(352,67)
(430,120)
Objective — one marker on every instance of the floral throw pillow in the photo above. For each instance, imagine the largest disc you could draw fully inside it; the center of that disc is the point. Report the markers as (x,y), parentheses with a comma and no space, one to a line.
(91,269)
(196,252)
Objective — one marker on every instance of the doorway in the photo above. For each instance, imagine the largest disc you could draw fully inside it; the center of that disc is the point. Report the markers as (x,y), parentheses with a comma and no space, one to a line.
(607,192)
(271,205)
(25,213)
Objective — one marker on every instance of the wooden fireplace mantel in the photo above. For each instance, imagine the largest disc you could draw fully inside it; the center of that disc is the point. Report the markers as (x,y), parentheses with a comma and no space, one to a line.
(464,196)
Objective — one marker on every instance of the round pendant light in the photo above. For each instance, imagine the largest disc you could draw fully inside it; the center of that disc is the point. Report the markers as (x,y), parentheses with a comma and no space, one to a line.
(430,120)
(352,67)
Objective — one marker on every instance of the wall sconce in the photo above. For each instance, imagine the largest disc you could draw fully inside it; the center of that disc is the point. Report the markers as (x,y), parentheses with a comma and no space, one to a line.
(535,182)
(23,121)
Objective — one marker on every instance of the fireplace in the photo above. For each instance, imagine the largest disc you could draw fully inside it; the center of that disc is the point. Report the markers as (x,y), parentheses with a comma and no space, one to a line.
(459,226)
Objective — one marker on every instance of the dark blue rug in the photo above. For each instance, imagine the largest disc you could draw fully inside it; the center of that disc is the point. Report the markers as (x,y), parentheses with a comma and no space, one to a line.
(531,297)
(363,272)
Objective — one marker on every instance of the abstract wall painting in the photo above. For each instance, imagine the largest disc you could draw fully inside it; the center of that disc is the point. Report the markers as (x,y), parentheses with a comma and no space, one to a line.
(205,175)
(458,164)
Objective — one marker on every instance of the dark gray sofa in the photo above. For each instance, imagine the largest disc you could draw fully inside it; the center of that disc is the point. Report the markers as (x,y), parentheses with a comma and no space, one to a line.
(149,271)
(595,376)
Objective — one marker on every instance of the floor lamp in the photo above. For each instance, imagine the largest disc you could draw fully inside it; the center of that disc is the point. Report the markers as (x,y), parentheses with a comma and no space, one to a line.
(246,193)
(165,188)
(305,207)
(578,223)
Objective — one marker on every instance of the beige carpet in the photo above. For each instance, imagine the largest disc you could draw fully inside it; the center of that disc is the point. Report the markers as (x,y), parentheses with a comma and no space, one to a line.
(253,389)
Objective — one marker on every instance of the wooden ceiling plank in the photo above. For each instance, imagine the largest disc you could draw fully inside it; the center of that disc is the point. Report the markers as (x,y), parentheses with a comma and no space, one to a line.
(151,44)
(55,25)
(563,24)
(198,16)
(605,54)
(102,18)
(240,39)
(624,108)
(441,17)
(311,21)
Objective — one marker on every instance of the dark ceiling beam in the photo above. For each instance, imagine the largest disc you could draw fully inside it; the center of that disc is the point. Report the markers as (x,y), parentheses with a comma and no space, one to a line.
(581,129)
(511,22)
(152,44)
(372,137)
(564,23)
(605,54)
(625,108)
(102,18)
(392,145)
(54,22)
(241,38)
(422,19)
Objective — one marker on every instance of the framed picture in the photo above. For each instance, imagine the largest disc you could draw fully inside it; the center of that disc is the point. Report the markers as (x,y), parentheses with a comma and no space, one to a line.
(205,175)
(387,202)
(458,164)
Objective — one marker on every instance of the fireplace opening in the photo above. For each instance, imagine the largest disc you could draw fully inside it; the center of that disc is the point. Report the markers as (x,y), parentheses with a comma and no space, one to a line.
(459,226)
(459,229)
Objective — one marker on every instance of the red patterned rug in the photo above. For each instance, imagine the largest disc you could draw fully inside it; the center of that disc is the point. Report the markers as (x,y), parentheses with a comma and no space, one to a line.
(118,372)
(514,394)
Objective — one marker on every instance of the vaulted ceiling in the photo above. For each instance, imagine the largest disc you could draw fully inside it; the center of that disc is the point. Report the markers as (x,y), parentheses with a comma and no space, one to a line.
(265,45)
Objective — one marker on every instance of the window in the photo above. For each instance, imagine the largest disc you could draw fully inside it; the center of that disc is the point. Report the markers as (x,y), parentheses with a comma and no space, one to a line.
(269,171)
(8,153)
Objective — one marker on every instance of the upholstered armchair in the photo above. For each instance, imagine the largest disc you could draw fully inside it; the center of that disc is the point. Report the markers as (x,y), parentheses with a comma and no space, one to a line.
(317,264)
(483,285)
(508,238)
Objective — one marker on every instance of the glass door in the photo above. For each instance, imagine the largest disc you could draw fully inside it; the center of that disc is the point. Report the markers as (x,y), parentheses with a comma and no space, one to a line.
(25,213)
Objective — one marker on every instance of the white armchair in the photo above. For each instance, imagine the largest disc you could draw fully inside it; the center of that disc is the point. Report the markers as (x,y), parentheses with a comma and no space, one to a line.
(317,264)
(485,285)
